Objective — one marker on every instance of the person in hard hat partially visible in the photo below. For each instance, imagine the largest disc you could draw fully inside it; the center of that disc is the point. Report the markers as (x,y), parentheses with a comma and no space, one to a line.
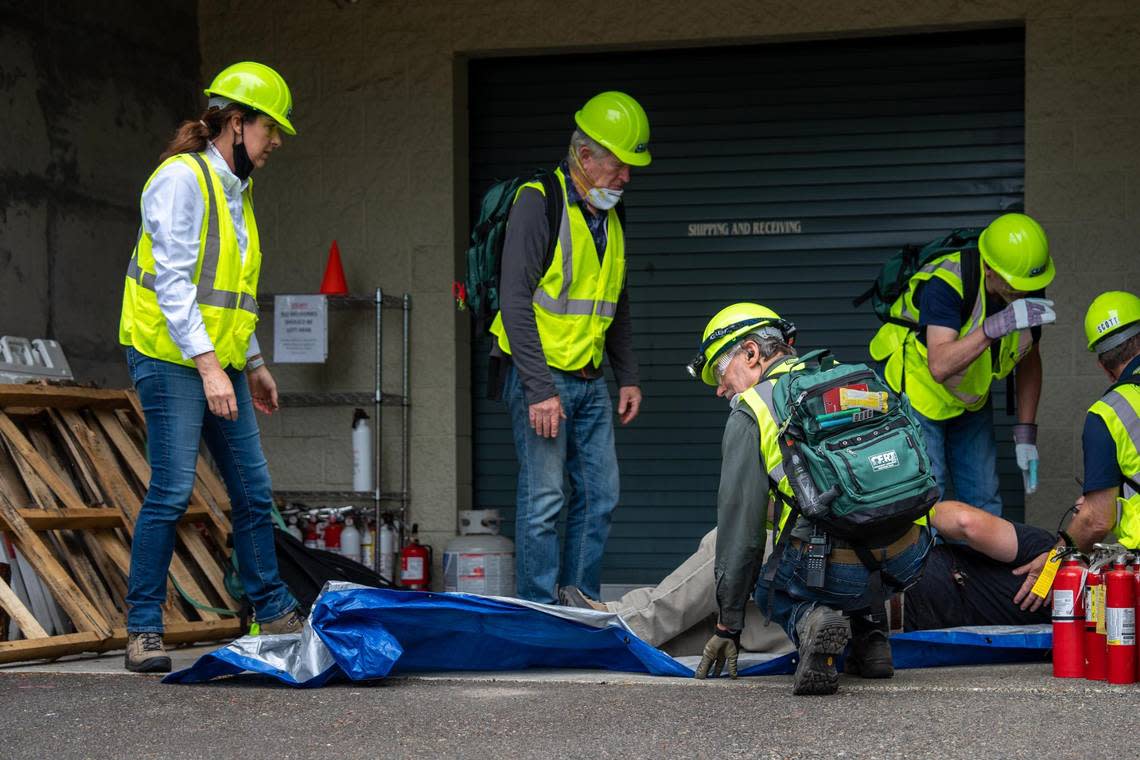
(747,352)
(557,318)
(1110,503)
(947,366)
(188,319)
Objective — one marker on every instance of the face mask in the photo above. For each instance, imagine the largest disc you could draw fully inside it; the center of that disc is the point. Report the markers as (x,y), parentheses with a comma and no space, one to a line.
(603,197)
(243,166)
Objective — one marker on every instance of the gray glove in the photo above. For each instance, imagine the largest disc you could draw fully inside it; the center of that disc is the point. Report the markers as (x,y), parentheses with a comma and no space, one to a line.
(722,648)
(1019,315)
(1025,447)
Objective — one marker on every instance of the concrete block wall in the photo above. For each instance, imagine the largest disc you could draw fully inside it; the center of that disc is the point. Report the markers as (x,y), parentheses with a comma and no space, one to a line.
(380,164)
(89,95)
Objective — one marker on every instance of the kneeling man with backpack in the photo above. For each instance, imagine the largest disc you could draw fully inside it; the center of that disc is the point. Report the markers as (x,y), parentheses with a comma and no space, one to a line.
(832,459)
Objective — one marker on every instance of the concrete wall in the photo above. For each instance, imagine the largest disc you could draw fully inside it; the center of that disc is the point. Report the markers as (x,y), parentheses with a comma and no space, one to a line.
(89,94)
(380,164)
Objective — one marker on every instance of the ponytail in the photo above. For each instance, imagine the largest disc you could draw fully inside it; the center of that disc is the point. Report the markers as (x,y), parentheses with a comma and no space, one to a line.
(192,136)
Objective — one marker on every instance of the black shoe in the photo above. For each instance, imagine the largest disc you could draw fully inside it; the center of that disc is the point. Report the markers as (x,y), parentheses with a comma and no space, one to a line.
(823,635)
(572,596)
(870,656)
(145,654)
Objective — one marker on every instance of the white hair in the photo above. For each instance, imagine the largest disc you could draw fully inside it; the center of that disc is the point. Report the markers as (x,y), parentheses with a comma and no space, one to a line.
(580,139)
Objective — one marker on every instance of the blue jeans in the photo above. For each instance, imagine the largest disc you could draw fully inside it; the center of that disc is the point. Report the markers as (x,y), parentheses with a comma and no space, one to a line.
(177,418)
(584,451)
(846,587)
(963,453)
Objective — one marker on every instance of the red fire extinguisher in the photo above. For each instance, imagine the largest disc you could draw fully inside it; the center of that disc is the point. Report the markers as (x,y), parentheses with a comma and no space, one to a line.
(1120,622)
(1136,573)
(1096,652)
(1069,619)
(415,562)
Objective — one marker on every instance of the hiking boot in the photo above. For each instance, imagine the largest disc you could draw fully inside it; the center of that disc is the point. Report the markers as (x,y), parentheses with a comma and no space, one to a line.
(870,656)
(572,596)
(291,622)
(823,635)
(146,654)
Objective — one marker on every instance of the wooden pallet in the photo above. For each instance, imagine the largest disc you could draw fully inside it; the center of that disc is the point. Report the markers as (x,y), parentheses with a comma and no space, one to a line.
(73,474)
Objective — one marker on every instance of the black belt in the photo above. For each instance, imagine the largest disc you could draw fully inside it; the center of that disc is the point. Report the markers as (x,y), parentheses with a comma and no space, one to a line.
(585,373)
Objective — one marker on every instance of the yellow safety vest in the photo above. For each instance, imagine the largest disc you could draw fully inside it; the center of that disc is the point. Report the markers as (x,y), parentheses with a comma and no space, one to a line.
(759,400)
(965,391)
(227,286)
(576,299)
(1120,410)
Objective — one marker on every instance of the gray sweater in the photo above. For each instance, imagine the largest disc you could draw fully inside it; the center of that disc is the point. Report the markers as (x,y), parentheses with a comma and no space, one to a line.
(524,264)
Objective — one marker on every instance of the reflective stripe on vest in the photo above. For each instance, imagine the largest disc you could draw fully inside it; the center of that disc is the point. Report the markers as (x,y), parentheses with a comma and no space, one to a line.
(207,294)
(965,390)
(1120,410)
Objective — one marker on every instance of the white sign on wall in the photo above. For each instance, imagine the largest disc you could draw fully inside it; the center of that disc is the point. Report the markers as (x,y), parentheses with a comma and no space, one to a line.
(300,329)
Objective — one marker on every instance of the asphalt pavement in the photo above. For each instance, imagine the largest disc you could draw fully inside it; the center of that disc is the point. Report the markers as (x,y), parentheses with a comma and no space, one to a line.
(91,709)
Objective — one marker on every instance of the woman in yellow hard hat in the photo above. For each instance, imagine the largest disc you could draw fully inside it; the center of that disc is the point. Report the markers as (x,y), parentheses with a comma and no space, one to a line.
(189,312)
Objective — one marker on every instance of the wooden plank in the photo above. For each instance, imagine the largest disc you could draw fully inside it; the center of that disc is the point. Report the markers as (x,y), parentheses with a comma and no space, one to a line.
(112,426)
(72,549)
(11,481)
(82,465)
(117,489)
(78,643)
(61,397)
(24,618)
(91,518)
(64,491)
(82,613)
(41,495)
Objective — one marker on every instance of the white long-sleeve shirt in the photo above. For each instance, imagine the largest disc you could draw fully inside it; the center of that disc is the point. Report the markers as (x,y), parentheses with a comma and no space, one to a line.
(172,211)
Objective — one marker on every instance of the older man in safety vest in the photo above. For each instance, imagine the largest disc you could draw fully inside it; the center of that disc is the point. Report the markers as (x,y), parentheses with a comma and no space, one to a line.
(557,317)
(948,364)
(1111,438)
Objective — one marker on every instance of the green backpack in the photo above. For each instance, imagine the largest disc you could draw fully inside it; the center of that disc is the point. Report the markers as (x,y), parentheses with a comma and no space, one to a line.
(861,470)
(479,292)
(895,274)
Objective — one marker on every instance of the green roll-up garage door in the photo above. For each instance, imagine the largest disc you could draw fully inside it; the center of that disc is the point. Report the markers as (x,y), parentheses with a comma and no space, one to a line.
(782,174)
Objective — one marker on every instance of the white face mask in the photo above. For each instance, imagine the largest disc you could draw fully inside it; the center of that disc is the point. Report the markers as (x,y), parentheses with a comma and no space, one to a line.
(603,198)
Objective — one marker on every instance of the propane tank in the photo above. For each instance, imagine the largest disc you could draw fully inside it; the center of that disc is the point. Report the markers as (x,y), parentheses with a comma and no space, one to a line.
(332,535)
(293,530)
(1068,619)
(1096,654)
(361,452)
(350,539)
(388,550)
(479,561)
(415,563)
(366,546)
(1120,622)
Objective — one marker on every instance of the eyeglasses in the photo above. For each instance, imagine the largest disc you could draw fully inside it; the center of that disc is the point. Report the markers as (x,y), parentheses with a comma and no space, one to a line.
(722,363)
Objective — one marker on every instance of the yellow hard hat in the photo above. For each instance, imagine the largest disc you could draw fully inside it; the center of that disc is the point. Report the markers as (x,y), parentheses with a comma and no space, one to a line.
(1015,246)
(1112,318)
(727,328)
(618,122)
(257,86)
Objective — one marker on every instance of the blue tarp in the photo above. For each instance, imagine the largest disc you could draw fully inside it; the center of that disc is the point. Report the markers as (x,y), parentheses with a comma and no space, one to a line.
(364,633)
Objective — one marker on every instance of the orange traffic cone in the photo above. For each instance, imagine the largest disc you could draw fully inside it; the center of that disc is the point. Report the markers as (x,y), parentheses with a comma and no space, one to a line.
(333,284)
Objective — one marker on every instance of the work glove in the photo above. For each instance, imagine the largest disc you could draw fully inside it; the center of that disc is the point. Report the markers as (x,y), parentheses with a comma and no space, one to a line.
(1019,315)
(1025,446)
(722,648)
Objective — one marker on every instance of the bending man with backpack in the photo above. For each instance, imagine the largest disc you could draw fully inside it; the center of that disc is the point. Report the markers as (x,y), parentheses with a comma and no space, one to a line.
(563,303)
(961,313)
(843,463)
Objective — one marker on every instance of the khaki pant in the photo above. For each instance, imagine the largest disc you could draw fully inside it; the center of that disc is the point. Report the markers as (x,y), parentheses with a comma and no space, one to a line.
(679,614)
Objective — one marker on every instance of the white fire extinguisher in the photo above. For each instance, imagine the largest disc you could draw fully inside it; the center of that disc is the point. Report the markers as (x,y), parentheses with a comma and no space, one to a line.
(361,452)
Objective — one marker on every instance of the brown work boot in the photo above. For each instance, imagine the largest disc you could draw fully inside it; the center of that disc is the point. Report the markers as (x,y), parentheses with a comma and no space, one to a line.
(823,635)
(291,622)
(145,653)
(572,596)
